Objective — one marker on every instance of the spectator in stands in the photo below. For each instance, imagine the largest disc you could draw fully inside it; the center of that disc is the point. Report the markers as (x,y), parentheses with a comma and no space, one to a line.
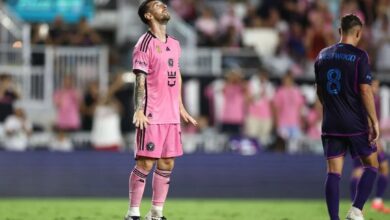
(252,19)
(295,43)
(351,7)
(274,21)
(281,61)
(85,35)
(40,34)
(106,131)
(230,38)
(214,94)
(235,94)
(319,34)
(88,106)
(368,9)
(123,91)
(289,103)
(186,9)
(58,32)
(291,10)
(8,95)
(231,25)
(313,126)
(207,27)
(17,131)
(259,120)
(381,39)
(67,103)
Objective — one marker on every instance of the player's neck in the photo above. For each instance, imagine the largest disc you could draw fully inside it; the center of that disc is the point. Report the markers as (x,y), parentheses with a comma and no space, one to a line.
(347,40)
(159,31)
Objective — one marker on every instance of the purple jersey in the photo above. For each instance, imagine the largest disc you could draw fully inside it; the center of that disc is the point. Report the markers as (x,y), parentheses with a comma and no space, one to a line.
(339,69)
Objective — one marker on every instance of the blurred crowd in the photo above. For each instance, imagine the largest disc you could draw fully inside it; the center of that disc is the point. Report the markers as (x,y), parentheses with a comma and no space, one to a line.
(59,33)
(103,115)
(304,27)
(244,114)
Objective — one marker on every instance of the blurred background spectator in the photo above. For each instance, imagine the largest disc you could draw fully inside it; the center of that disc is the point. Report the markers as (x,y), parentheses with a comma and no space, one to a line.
(88,106)
(67,102)
(17,130)
(8,95)
(106,131)
(234,96)
(288,106)
(259,119)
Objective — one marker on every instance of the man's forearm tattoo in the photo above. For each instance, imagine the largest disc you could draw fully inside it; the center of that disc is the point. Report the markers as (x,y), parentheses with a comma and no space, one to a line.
(139,91)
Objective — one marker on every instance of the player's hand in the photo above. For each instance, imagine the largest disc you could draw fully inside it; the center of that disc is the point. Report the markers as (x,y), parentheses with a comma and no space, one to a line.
(187,117)
(140,120)
(374,133)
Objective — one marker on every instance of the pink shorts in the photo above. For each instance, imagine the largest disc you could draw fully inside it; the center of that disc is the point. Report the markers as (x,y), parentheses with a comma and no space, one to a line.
(159,141)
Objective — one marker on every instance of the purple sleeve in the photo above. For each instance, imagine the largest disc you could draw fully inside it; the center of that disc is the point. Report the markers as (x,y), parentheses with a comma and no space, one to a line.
(316,71)
(364,72)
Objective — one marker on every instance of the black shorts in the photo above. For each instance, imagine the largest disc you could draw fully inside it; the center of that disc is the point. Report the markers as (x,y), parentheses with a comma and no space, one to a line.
(337,146)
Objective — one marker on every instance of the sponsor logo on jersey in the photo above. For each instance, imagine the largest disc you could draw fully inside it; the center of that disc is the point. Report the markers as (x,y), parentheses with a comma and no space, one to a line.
(170,62)
(141,63)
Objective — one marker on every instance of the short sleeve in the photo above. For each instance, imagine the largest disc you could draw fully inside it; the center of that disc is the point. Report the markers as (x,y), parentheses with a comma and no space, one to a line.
(140,61)
(316,71)
(363,71)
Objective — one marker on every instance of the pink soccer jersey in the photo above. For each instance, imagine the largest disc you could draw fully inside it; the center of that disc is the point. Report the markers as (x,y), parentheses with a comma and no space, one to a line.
(160,62)
(289,102)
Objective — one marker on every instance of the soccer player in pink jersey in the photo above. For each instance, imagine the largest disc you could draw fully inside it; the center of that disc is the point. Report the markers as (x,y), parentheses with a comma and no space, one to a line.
(158,108)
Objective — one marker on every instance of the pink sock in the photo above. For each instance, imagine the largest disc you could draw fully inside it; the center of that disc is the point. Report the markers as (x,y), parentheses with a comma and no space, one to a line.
(137,183)
(160,184)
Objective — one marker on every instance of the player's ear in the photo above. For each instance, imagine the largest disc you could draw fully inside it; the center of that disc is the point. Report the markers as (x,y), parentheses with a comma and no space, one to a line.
(148,16)
(358,33)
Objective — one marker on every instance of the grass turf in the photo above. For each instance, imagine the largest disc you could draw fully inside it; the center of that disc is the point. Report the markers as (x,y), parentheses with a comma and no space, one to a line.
(175,209)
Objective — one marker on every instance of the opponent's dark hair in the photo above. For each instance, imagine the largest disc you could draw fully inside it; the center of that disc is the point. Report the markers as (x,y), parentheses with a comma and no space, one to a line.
(143,9)
(350,21)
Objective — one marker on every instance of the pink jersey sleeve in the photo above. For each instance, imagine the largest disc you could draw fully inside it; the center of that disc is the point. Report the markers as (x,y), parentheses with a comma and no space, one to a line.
(141,60)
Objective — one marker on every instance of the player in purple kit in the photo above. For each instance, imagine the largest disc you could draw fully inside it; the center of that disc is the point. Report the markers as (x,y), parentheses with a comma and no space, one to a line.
(343,81)
(382,181)
(158,108)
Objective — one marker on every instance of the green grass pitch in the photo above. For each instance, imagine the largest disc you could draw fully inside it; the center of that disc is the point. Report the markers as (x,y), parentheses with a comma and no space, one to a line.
(175,209)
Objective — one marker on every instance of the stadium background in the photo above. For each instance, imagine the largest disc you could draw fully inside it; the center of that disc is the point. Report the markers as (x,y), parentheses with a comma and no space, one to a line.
(224,43)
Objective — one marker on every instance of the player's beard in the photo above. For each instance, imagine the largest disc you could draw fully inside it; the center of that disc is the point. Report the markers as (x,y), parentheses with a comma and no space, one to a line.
(165,17)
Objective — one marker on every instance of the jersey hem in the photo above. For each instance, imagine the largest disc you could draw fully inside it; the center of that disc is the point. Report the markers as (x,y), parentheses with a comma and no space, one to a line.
(344,135)
(163,123)
(135,71)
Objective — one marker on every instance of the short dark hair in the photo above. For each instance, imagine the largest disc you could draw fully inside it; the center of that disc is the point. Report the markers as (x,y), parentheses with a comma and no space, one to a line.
(350,21)
(143,9)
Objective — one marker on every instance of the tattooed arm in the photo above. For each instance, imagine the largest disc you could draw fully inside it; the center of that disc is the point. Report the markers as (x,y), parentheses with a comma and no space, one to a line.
(139,119)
